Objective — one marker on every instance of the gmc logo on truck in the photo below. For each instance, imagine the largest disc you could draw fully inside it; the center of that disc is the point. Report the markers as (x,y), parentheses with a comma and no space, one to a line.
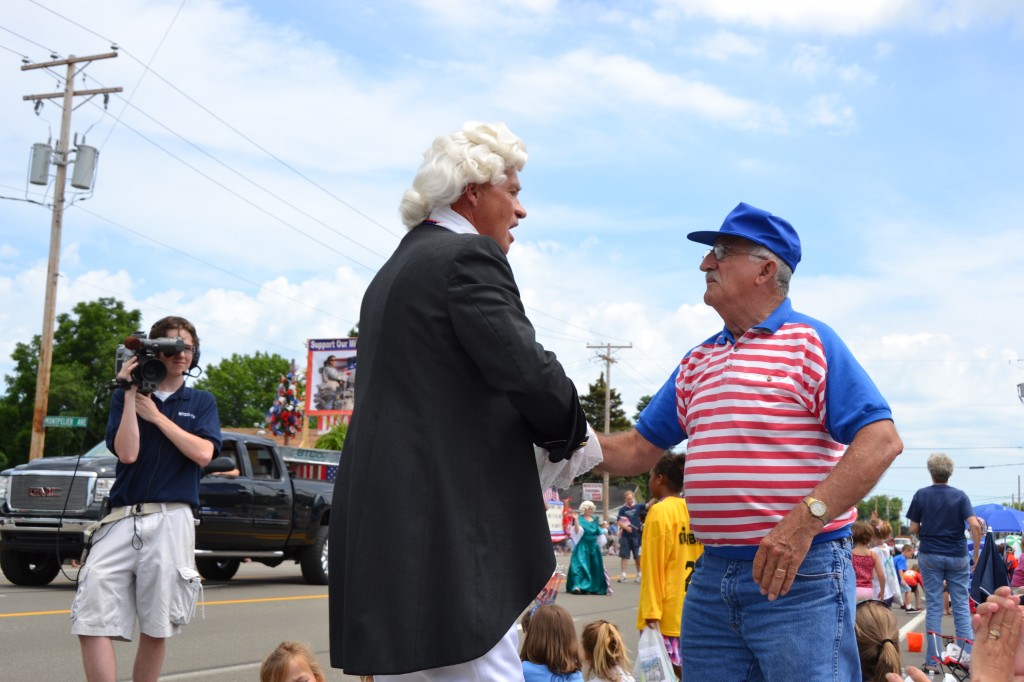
(39,491)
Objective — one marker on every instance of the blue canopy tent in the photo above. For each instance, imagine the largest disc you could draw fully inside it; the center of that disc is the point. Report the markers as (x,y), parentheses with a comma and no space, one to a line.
(1001,519)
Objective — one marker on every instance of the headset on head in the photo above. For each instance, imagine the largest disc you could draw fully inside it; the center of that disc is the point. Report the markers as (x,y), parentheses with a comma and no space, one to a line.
(195,342)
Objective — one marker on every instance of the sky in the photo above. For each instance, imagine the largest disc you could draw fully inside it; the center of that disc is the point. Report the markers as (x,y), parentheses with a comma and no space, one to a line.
(250,172)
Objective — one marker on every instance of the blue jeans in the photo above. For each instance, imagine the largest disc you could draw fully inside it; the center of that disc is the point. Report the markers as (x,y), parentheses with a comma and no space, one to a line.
(732,633)
(955,570)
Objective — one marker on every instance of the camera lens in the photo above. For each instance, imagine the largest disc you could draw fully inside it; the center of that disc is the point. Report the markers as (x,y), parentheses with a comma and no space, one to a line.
(151,372)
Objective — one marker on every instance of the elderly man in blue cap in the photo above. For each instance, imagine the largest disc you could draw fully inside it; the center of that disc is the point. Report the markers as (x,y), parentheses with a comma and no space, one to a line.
(785,433)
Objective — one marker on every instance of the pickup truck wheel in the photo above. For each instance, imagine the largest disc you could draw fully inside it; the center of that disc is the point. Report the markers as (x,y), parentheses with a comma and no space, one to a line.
(30,570)
(217,569)
(314,559)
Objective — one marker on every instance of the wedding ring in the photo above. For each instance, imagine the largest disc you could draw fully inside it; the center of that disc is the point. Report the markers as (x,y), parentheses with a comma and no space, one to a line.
(994,633)
(781,571)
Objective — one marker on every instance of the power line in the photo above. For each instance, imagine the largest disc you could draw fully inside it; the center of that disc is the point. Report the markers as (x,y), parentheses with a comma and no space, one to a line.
(146,67)
(228,125)
(52,53)
(24,57)
(570,324)
(156,50)
(215,266)
(259,208)
(118,120)
(251,181)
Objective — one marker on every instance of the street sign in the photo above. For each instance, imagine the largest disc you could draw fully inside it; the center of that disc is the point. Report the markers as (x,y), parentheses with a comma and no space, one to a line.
(76,422)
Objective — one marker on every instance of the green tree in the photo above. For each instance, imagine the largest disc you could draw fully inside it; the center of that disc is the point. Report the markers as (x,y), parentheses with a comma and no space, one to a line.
(593,407)
(888,509)
(84,347)
(641,405)
(245,386)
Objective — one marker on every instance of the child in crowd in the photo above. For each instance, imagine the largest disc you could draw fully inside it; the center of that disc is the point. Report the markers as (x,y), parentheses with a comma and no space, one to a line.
(291,662)
(878,639)
(911,579)
(880,546)
(613,538)
(605,653)
(669,552)
(550,650)
(900,564)
(866,563)
(1011,562)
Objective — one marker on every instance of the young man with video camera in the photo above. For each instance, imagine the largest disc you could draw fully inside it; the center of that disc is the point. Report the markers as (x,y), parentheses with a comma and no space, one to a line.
(141,560)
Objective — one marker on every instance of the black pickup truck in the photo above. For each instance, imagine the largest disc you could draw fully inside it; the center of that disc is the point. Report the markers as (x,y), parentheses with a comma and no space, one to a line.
(261,513)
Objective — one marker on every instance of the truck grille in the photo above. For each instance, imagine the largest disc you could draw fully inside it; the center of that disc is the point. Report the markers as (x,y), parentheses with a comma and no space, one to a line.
(43,493)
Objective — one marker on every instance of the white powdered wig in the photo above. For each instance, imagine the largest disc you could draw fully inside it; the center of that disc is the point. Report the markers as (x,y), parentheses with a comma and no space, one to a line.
(479,153)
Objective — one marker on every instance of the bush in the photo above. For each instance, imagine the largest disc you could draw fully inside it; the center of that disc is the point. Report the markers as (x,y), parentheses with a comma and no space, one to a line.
(333,439)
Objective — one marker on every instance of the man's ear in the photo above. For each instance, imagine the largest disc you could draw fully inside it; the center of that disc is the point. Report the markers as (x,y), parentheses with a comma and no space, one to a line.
(472,193)
(768,270)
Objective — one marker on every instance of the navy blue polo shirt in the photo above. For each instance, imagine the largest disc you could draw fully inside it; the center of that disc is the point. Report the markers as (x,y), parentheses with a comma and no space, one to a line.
(162,473)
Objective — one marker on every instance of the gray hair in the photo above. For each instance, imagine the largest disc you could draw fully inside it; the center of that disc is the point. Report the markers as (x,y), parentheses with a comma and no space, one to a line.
(479,153)
(940,467)
(586,506)
(783,272)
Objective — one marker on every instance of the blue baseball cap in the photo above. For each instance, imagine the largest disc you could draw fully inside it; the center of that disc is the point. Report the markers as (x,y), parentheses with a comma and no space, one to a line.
(760,227)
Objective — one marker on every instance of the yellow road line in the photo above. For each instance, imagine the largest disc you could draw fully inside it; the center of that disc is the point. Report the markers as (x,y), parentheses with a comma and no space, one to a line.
(34,613)
(209,603)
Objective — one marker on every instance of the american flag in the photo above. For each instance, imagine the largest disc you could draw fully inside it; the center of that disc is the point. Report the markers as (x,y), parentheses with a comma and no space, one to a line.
(306,470)
(331,473)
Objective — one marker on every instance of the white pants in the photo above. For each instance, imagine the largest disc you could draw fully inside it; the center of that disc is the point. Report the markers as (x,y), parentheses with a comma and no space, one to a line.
(500,664)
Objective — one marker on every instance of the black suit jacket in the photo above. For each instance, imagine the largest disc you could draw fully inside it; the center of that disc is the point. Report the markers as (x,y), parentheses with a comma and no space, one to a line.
(438,536)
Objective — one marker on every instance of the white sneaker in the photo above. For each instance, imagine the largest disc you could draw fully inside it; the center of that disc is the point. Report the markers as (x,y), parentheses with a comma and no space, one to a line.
(622,578)
(637,577)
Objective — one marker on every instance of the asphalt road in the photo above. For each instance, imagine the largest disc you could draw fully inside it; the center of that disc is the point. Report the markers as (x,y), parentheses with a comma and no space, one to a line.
(245,618)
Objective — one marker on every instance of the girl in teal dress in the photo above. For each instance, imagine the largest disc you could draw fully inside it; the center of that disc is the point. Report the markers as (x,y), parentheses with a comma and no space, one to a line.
(586,569)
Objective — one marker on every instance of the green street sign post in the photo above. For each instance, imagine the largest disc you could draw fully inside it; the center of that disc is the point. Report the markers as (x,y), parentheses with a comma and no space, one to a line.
(75,422)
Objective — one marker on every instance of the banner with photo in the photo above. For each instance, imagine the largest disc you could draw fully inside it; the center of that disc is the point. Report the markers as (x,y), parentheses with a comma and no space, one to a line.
(330,377)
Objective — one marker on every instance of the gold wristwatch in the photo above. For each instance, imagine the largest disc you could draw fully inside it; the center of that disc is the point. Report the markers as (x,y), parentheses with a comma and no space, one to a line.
(818,509)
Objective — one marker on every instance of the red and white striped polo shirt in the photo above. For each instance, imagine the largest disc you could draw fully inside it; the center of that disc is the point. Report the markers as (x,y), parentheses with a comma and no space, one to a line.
(766,417)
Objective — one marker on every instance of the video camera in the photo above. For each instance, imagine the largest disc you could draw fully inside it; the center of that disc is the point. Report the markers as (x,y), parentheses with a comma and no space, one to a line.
(150,370)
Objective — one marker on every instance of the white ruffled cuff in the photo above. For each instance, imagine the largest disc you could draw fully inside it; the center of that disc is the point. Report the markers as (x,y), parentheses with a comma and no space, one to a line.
(562,474)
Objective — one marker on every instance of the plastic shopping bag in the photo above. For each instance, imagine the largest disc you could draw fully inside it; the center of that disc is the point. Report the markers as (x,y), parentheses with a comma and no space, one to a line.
(652,661)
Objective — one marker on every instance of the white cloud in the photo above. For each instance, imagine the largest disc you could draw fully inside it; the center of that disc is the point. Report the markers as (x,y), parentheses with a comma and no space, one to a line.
(726,45)
(831,112)
(814,63)
(471,13)
(584,79)
(852,17)
(806,15)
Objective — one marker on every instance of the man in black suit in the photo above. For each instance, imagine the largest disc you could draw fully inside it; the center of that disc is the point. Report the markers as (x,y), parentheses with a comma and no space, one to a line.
(438,536)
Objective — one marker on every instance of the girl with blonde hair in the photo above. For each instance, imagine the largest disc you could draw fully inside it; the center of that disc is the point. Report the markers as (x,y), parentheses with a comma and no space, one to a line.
(291,662)
(605,653)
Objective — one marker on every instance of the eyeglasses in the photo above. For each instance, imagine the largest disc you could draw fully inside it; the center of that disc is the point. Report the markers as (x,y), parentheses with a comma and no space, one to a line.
(723,251)
(874,601)
(187,350)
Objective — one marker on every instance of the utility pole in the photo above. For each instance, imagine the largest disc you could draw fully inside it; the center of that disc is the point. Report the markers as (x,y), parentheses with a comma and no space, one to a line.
(608,360)
(52,268)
